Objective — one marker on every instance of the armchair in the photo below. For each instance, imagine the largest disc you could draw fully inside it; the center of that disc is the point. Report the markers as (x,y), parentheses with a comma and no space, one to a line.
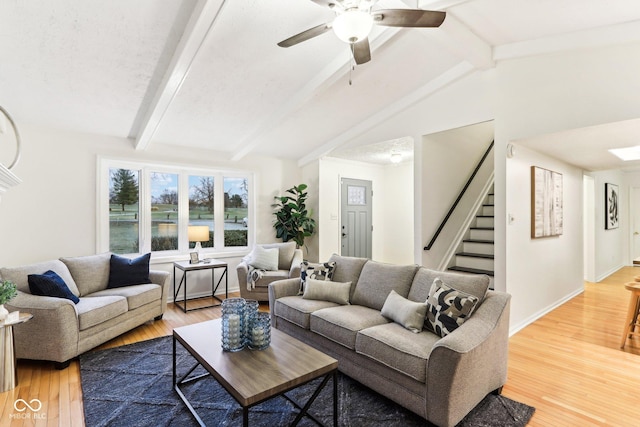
(289,259)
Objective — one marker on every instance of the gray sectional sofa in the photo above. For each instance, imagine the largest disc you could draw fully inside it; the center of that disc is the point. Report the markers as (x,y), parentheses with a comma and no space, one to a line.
(440,379)
(61,330)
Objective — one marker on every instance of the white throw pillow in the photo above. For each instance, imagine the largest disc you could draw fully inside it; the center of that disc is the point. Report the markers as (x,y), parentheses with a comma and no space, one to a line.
(407,313)
(325,290)
(264,259)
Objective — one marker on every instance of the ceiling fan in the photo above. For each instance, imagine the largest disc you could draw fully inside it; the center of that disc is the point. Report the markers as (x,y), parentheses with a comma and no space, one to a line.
(354,21)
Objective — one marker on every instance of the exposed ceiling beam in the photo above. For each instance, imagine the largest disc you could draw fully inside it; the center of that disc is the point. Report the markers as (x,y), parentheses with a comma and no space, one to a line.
(460,40)
(628,32)
(200,24)
(444,79)
(327,76)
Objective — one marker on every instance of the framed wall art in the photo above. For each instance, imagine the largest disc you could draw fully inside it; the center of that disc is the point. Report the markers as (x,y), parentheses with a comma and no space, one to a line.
(546,203)
(611,207)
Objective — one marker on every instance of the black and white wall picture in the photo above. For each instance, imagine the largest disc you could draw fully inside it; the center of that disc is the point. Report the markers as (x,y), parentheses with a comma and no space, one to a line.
(611,206)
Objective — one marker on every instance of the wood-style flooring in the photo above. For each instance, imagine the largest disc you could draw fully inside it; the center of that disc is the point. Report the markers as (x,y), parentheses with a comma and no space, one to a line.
(568,365)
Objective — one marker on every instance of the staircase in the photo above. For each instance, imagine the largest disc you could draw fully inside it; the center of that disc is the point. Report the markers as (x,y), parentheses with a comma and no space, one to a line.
(476,251)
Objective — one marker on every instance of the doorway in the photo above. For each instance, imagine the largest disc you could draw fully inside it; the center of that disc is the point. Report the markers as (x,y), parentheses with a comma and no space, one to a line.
(356,217)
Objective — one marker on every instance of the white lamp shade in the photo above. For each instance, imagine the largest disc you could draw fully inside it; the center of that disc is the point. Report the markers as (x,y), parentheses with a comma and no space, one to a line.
(198,233)
(352,26)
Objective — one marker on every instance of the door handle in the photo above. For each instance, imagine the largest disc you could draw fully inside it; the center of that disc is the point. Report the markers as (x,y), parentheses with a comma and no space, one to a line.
(344,234)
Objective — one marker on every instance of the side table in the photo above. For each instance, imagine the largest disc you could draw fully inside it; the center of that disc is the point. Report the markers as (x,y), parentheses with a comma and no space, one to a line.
(210,264)
(8,370)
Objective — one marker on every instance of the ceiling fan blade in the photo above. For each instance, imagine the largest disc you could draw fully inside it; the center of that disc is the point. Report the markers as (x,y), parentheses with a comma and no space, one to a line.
(408,18)
(361,51)
(305,35)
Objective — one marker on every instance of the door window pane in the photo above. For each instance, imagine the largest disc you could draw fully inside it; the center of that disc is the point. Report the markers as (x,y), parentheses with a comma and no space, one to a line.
(236,211)
(124,197)
(164,211)
(201,191)
(356,195)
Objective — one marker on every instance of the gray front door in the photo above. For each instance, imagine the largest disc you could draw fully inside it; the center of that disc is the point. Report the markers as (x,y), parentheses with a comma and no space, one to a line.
(356,217)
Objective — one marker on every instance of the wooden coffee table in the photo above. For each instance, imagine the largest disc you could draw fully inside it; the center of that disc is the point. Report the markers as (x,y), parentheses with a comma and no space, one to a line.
(253,376)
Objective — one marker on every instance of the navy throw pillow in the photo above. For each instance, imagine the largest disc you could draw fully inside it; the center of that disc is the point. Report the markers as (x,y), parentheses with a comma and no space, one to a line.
(50,284)
(126,272)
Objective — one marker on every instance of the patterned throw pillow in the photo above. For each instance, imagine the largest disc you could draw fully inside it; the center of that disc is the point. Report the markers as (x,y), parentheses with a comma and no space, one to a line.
(310,270)
(447,308)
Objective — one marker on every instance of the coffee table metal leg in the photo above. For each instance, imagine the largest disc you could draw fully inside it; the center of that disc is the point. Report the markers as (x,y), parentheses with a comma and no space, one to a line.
(245,416)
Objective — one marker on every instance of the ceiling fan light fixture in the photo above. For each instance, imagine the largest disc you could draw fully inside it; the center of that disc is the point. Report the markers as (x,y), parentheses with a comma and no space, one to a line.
(353,25)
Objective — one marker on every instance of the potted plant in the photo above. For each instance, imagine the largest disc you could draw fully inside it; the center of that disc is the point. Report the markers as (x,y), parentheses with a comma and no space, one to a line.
(7,293)
(293,221)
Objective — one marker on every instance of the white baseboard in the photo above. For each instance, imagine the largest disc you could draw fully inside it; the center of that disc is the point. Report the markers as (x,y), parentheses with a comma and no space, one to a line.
(515,328)
(609,273)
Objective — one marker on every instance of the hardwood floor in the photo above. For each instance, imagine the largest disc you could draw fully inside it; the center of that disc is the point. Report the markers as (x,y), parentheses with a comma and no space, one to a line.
(568,365)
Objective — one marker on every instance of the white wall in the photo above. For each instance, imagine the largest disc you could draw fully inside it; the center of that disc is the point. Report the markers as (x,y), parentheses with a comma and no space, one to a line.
(53,212)
(541,271)
(392,237)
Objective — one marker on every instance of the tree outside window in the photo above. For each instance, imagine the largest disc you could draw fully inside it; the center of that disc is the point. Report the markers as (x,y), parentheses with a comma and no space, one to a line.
(124,196)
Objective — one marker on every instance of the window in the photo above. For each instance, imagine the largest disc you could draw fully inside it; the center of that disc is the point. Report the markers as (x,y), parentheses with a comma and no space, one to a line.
(148,208)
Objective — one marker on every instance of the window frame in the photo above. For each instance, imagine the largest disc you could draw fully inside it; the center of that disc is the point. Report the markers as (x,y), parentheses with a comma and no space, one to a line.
(144,206)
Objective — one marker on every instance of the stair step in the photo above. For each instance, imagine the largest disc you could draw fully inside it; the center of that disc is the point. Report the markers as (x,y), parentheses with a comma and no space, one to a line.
(478,241)
(475,255)
(471,270)
(482,228)
(489,204)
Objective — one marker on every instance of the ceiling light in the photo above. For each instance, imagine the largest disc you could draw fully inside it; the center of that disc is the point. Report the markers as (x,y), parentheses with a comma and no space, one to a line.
(395,157)
(353,25)
(627,154)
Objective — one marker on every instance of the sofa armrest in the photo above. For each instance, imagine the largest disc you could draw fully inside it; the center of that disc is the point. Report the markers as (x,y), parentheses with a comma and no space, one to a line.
(161,278)
(279,289)
(243,270)
(52,333)
(469,363)
(294,271)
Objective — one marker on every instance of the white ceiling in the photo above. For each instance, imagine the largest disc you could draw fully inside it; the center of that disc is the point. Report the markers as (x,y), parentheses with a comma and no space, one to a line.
(208,73)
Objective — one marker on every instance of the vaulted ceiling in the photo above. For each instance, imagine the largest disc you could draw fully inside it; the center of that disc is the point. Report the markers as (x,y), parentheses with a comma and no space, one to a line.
(208,73)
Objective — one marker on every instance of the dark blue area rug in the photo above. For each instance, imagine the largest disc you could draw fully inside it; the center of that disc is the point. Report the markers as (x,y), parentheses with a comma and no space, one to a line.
(132,386)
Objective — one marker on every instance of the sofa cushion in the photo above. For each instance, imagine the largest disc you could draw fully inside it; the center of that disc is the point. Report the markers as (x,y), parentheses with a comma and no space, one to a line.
(91,273)
(285,253)
(447,308)
(347,269)
(125,272)
(397,347)
(297,310)
(19,275)
(341,324)
(271,276)
(263,259)
(326,290)
(319,271)
(136,295)
(378,279)
(49,284)
(409,314)
(473,284)
(95,310)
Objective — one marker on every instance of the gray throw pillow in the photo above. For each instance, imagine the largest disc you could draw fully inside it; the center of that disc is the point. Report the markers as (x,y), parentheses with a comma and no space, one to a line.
(447,308)
(264,259)
(325,290)
(409,314)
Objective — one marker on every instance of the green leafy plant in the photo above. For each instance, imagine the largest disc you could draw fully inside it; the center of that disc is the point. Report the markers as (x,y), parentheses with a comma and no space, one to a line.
(7,291)
(293,221)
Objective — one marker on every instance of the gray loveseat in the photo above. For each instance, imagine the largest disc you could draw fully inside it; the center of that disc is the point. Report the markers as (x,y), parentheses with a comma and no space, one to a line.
(440,379)
(61,330)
